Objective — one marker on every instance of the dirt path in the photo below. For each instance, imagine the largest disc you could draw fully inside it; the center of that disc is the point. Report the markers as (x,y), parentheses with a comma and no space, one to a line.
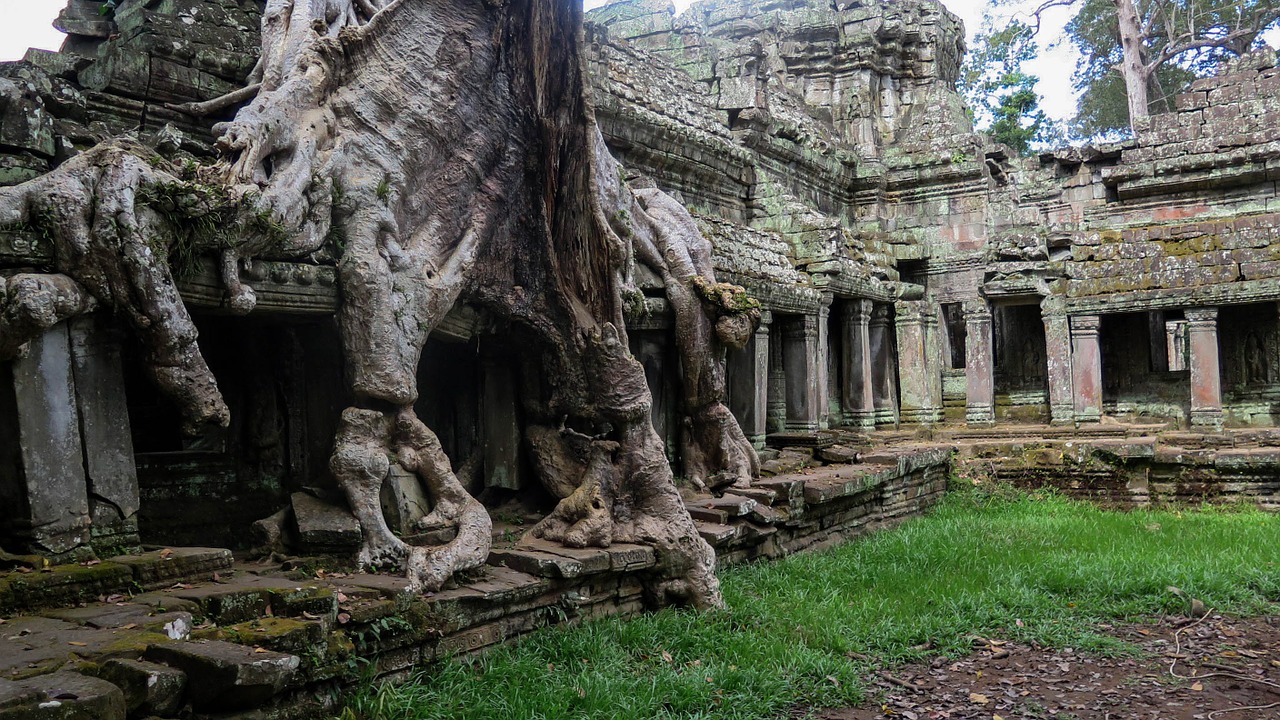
(1226,668)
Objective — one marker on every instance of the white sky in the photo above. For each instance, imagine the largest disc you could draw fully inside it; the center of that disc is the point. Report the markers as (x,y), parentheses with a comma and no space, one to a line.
(28,23)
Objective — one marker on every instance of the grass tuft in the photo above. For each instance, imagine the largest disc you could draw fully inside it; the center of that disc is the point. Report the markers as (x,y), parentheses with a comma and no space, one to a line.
(1035,568)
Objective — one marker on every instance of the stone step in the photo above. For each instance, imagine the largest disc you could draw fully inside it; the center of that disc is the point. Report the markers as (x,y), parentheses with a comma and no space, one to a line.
(150,689)
(229,677)
(161,568)
(716,534)
(61,695)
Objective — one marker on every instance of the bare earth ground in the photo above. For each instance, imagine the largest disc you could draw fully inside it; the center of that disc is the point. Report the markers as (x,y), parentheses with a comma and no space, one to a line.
(1216,667)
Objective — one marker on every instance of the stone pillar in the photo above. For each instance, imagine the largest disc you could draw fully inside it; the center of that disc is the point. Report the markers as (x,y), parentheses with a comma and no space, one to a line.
(44,499)
(748,371)
(776,416)
(884,376)
(802,358)
(979,368)
(918,360)
(1086,368)
(824,379)
(858,391)
(1206,380)
(1057,338)
(104,431)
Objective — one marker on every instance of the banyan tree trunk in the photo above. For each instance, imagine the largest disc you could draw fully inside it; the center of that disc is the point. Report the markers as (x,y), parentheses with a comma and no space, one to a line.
(450,148)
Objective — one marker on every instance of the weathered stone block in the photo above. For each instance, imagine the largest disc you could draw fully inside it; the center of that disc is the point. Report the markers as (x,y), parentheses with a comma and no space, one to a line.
(228,677)
(149,688)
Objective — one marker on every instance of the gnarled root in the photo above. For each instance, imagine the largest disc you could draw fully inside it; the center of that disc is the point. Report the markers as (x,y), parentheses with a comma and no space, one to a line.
(715,449)
(32,303)
(428,568)
(360,463)
(585,517)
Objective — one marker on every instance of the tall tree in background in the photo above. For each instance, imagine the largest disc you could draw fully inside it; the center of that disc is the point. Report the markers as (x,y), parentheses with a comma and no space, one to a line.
(1138,53)
(1001,93)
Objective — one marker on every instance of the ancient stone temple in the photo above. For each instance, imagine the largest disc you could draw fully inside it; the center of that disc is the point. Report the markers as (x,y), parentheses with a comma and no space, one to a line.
(824,266)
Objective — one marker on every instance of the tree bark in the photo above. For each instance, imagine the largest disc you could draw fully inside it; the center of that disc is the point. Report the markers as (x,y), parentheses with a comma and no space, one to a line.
(1133,66)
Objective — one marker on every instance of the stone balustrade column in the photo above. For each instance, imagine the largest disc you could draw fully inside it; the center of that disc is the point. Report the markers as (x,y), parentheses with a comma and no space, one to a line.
(1086,368)
(802,357)
(1206,379)
(921,392)
(776,417)
(1057,339)
(884,377)
(980,397)
(749,383)
(823,376)
(857,394)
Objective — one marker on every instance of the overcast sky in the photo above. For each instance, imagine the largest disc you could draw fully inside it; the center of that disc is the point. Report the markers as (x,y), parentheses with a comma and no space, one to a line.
(28,23)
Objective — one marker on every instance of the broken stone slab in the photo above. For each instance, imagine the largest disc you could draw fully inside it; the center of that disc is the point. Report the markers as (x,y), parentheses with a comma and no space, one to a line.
(324,527)
(16,694)
(788,461)
(63,695)
(149,688)
(730,504)
(593,560)
(157,569)
(789,490)
(762,495)
(227,677)
(716,534)
(838,454)
(697,512)
(542,564)
(764,515)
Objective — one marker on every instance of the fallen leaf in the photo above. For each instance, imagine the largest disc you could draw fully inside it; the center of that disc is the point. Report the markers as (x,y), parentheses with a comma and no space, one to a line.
(581,693)
(259,650)
(1197,687)
(344,618)
(666,656)
(166,553)
(76,643)
(978,698)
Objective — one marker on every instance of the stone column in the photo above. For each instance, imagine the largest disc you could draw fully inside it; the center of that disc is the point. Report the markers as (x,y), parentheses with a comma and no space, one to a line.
(979,368)
(802,357)
(1206,379)
(1086,368)
(748,371)
(858,391)
(44,498)
(104,431)
(921,393)
(823,376)
(1057,339)
(776,416)
(884,377)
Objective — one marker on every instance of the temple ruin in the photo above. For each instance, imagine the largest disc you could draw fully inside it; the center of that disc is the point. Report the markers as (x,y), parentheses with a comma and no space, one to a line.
(830,281)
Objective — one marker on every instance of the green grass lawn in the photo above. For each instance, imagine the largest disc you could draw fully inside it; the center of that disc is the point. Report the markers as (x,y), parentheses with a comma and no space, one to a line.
(1036,568)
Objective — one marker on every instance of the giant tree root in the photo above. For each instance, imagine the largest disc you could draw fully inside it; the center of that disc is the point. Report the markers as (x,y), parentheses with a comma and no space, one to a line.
(33,303)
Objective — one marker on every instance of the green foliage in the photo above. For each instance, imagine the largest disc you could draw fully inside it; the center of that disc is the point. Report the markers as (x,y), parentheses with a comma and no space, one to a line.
(805,631)
(1001,93)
